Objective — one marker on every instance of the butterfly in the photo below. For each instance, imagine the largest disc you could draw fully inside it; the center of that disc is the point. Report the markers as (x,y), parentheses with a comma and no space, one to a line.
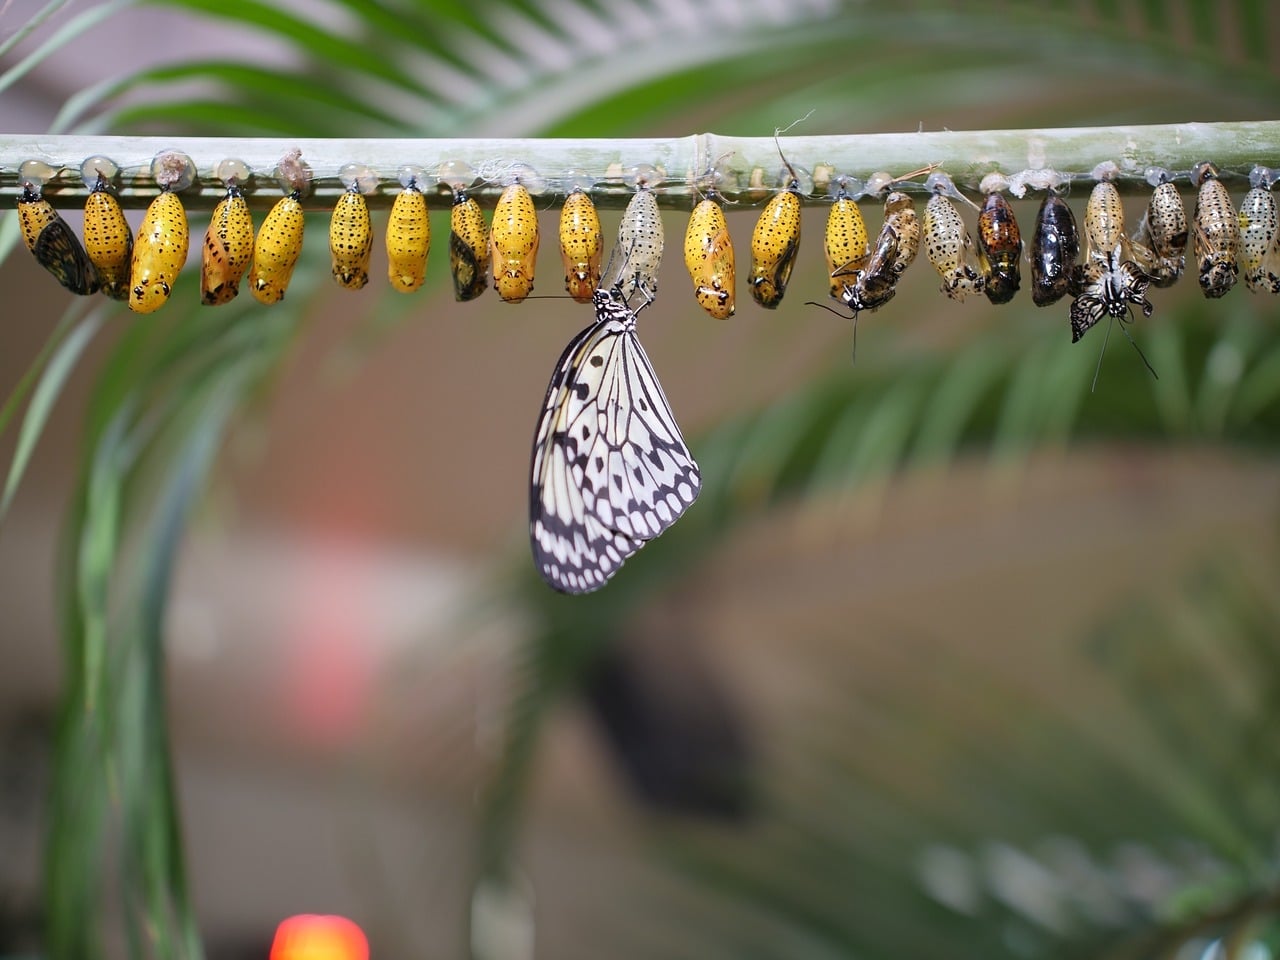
(1109,288)
(610,469)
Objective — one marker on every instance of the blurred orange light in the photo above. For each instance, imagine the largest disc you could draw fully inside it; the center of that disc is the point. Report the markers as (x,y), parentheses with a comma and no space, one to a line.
(311,936)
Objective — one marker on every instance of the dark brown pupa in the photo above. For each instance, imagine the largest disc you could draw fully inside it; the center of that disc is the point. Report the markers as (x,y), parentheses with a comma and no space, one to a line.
(1000,246)
(1055,247)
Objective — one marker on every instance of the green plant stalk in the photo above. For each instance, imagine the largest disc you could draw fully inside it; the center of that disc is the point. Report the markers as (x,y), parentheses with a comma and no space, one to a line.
(169,409)
(748,169)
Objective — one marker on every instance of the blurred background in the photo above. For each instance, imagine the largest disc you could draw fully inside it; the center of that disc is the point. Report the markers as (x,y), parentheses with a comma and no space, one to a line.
(952,658)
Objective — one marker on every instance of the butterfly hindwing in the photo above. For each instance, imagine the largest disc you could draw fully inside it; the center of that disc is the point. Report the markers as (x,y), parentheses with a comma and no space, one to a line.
(571,547)
(610,468)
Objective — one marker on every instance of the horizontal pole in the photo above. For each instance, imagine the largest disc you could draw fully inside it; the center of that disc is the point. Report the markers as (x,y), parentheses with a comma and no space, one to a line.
(748,169)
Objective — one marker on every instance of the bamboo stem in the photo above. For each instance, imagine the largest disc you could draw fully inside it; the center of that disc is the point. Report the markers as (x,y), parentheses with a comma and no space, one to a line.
(748,168)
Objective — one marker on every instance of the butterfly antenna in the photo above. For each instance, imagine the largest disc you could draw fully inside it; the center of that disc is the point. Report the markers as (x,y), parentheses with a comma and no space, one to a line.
(1125,331)
(795,178)
(834,312)
(1098,369)
(827,307)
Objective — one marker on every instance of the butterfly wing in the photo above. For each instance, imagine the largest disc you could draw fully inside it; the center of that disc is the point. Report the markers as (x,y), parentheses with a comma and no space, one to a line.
(1086,311)
(610,468)
(468,282)
(59,251)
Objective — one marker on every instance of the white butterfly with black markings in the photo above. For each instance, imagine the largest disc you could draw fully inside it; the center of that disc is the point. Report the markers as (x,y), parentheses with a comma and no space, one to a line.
(610,468)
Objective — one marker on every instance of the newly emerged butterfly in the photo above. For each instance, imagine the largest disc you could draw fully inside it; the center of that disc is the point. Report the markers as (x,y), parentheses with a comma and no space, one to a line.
(54,244)
(1109,290)
(896,246)
(1110,281)
(610,469)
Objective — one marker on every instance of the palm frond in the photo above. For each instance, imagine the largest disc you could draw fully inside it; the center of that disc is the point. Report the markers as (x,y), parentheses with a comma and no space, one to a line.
(33,24)
(158,418)
(81,24)
(563,68)
(54,366)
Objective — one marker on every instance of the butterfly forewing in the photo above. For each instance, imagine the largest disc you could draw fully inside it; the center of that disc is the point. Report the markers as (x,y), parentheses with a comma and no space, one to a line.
(610,468)
(58,250)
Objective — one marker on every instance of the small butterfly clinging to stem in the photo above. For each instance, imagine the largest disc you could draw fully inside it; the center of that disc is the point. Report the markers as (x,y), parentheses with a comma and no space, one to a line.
(610,469)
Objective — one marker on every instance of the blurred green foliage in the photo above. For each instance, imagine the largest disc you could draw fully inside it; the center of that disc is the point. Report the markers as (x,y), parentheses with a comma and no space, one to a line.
(1196,807)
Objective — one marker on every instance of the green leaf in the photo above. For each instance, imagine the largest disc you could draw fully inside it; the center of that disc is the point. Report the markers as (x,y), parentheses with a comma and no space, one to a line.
(82,24)
(319,45)
(31,26)
(61,363)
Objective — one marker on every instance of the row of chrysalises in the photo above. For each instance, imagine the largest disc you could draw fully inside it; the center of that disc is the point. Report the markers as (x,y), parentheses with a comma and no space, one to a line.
(610,469)
(1113,277)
